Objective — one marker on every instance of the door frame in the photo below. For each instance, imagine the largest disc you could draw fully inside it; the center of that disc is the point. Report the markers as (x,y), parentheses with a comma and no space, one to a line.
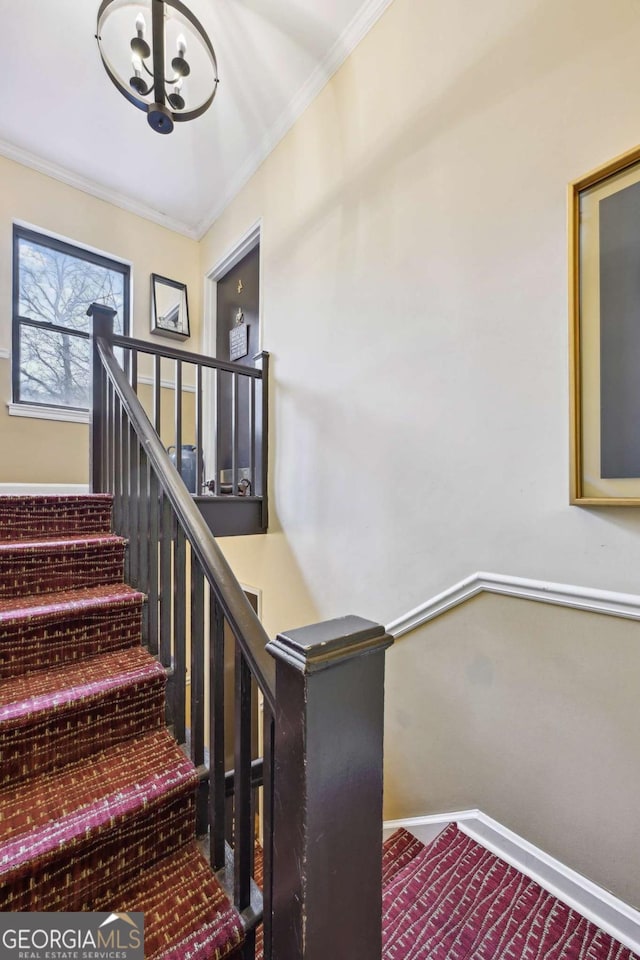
(247,242)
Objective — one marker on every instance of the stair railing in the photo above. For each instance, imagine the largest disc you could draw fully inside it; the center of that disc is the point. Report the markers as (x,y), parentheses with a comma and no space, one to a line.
(322,688)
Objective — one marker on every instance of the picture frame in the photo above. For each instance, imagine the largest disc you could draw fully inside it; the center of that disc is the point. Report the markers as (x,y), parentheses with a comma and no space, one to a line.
(604,334)
(169,308)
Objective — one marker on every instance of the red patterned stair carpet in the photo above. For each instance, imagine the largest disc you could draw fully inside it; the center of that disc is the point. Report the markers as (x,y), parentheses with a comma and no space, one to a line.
(454,900)
(97,801)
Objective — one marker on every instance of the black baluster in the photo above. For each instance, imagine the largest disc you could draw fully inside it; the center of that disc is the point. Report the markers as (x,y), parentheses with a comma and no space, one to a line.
(179,632)
(117,465)
(234,433)
(252,434)
(154,536)
(134,502)
(126,497)
(264,441)
(243,841)
(166,598)
(217,807)
(197,684)
(157,393)
(108,427)
(199,461)
(267,827)
(143,540)
(178,416)
(217,447)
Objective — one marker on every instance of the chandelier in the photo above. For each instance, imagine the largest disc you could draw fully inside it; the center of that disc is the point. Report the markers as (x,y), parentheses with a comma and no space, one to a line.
(167,65)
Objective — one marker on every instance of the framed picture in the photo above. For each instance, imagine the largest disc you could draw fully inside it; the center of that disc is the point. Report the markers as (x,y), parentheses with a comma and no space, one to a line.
(604,293)
(169,308)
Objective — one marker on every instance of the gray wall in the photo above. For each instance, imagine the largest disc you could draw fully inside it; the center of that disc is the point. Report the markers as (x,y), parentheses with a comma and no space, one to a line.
(531,713)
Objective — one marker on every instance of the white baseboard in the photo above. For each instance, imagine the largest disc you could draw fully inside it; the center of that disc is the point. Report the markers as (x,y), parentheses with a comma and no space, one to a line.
(595,903)
(43,489)
(589,599)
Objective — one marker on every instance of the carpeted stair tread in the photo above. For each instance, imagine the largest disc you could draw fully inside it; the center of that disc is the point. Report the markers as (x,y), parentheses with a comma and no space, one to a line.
(43,631)
(49,566)
(55,717)
(184,907)
(25,696)
(30,517)
(65,838)
(397,851)
(117,777)
(66,602)
(455,900)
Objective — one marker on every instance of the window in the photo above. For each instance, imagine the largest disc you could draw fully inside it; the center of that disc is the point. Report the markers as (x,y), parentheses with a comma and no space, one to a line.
(53,285)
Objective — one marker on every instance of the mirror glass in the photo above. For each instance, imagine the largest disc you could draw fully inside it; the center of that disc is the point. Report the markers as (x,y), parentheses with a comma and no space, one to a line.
(169,308)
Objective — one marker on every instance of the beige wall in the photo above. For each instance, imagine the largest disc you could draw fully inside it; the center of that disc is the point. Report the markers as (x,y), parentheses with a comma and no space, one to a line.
(414,271)
(531,713)
(46,451)
(414,300)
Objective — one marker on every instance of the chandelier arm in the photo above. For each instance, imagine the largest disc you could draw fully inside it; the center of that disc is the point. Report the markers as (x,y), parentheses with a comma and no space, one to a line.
(186,13)
(197,111)
(140,104)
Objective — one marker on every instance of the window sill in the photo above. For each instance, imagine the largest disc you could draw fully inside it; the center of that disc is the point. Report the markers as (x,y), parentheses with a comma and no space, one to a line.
(37,412)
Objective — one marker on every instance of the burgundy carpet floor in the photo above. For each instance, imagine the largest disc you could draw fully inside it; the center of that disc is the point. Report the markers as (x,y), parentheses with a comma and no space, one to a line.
(97,801)
(454,900)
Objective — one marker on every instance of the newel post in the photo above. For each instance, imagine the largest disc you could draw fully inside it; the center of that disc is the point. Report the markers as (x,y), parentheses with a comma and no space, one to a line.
(327,810)
(102,327)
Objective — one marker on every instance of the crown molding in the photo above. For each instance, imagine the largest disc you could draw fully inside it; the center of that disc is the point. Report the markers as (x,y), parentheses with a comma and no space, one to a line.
(608,912)
(355,31)
(12,152)
(368,14)
(562,594)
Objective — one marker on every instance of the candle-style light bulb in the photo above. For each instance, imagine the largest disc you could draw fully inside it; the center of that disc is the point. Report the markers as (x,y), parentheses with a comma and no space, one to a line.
(176,100)
(139,45)
(179,64)
(137,64)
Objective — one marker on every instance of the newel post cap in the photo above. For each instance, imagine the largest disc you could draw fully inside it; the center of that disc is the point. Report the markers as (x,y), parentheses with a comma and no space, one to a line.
(328,644)
(103,317)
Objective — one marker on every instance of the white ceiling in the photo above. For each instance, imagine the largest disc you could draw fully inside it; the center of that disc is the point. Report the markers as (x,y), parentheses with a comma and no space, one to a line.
(61,113)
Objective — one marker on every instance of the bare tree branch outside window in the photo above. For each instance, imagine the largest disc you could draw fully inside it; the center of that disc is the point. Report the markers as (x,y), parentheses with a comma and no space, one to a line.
(57,286)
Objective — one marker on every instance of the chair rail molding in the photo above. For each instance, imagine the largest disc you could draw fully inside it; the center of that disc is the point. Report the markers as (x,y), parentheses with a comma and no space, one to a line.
(608,912)
(589,599)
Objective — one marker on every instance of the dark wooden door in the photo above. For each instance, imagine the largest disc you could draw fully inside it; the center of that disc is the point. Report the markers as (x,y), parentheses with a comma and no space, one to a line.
(239,290)
(238,294)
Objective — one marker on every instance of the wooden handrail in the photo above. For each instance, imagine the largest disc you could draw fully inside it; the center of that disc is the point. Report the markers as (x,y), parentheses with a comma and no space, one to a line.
(242,619)
(170,353)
